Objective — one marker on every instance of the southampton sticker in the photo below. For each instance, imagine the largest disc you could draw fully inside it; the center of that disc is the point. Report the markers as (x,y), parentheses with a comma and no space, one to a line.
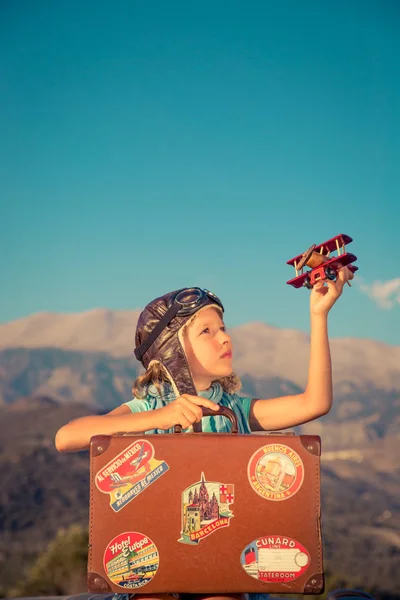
(275,472)
(275,558)
(131,560)
(205,509)
(130,473)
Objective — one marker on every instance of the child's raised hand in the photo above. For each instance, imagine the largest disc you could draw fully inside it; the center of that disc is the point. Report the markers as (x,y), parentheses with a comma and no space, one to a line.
(183,411)
(323,297)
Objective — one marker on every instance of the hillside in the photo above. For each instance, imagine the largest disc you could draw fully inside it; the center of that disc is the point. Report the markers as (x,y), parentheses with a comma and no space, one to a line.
(43,490)
(361,414)
(259,349)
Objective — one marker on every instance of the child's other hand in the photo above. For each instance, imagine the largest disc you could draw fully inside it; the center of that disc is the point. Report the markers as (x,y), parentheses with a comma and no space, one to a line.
(323,297)
(183,411)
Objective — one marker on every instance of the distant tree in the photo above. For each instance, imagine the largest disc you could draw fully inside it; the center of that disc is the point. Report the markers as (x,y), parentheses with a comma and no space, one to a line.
(61,569)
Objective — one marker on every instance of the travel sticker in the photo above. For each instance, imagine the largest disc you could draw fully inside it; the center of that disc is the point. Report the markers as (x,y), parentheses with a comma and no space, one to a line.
(205,509)
(131,560)
(275,558)
(275,472)
(130,473)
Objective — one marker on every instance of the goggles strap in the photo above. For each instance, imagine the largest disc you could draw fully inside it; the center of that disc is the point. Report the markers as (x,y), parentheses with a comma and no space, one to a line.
(167,318)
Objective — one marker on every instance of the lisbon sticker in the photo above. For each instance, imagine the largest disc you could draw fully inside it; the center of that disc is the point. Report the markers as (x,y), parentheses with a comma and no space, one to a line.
(275,558)
(130,473)
(131,560)
(205,509)
(275,472)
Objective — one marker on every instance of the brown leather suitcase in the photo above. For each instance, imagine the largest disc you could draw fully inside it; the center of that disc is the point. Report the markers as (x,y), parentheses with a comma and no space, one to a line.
(205,513)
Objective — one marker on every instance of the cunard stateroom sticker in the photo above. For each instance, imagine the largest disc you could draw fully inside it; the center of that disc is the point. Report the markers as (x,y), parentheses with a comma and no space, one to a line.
(130,473)
(205,509)
(131,560)
(275,558)
(275,472)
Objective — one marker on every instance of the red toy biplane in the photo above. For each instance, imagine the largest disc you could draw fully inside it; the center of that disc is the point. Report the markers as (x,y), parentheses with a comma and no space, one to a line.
(323,265)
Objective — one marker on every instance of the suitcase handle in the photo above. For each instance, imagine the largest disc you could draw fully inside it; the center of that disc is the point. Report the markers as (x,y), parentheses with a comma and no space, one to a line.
(207,412)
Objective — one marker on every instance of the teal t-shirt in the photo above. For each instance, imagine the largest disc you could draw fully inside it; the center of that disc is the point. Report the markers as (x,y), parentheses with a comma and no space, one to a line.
(218,424)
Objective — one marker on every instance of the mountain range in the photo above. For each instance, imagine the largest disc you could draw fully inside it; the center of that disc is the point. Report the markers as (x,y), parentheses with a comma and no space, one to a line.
(87,358)
(260,350)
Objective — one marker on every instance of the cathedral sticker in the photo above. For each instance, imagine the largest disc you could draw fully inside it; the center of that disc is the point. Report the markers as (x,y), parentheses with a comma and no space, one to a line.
(205,509)
(275,472)
(130,473)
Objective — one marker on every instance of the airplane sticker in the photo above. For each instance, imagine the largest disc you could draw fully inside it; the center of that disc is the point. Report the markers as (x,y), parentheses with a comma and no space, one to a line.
(130,473)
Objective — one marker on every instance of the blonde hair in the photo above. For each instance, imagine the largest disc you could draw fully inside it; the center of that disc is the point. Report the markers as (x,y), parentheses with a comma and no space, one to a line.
(154,375)
(157,375)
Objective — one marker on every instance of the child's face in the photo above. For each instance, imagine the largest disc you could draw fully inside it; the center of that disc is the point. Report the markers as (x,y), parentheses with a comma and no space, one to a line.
(208,348)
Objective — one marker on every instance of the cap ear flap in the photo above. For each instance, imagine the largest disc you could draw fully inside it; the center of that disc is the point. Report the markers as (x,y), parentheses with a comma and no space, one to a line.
(175,363)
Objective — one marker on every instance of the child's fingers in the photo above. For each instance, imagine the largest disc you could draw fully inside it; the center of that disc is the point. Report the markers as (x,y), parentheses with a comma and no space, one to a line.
(319,286)
(183,421)
(351,276)
(201,401)
(191,411)
(344,274)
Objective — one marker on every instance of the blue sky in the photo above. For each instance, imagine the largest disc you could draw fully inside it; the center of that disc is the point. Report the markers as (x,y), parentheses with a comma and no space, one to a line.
(147,146)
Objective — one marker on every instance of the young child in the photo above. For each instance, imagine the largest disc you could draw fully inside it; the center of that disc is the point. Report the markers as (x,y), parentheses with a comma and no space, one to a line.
(187,354)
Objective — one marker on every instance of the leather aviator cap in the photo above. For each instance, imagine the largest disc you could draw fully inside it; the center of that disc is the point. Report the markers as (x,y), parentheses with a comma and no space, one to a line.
(166,347)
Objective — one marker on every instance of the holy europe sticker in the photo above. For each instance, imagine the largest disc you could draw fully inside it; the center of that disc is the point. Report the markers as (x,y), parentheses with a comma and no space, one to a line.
(275,472)
(131,560)
(130,473)
(275,558)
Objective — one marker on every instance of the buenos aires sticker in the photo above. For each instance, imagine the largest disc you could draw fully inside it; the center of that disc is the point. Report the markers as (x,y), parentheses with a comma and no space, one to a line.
(275,558)
(130,473)
(131,560)
(275,472)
